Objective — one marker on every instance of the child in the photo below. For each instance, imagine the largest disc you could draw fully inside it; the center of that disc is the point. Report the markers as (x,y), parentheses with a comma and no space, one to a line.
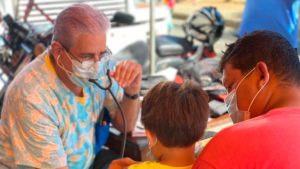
(175,117)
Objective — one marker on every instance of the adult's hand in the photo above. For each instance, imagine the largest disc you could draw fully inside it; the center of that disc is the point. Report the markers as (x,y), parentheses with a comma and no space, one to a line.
(128,74)
(122,163)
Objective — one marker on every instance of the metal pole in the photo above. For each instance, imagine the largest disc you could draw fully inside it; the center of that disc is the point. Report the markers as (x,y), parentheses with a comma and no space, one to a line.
(126,6)
(152,38)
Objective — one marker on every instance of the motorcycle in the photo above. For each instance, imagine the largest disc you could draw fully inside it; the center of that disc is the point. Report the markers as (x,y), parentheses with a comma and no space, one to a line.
(192,56)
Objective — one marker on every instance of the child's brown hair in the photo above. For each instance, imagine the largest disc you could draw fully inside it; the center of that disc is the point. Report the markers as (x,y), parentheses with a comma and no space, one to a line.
(176,113)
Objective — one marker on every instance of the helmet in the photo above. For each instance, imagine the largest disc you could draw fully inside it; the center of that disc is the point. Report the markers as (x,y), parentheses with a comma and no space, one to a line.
(205,25)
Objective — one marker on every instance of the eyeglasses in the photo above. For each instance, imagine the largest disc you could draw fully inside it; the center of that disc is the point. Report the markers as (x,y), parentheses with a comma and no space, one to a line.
(90,56)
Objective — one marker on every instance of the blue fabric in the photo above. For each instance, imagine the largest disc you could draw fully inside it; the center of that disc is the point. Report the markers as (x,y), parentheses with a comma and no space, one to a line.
(102,132)
(280,16)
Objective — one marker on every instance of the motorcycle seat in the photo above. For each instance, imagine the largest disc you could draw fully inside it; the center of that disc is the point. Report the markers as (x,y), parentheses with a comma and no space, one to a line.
(168,45)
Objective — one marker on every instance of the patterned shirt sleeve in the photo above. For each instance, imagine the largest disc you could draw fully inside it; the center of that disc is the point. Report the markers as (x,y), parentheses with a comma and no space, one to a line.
(34,132)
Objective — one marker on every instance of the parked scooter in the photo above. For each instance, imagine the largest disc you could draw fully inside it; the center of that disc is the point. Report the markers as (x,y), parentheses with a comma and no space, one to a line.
(202,29)
(20,40)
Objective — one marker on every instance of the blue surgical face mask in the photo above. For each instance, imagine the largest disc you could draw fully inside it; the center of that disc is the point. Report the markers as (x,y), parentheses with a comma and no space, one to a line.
(231,103)
(232,107)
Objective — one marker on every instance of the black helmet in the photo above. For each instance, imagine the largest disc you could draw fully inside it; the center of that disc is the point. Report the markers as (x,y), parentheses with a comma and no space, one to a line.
(205,25)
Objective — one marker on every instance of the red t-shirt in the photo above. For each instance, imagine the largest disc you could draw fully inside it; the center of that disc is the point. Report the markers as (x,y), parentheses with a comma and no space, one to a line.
(270,141)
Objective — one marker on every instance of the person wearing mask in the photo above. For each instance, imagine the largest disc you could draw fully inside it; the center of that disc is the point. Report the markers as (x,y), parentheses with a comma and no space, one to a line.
(261,73)
(51,108)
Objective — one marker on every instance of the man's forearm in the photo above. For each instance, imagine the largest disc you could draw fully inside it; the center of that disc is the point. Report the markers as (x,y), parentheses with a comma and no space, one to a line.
(131,110)
(128,74)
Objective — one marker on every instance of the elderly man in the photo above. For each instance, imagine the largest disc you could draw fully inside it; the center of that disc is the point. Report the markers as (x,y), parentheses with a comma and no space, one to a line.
(51,108)
(261,73)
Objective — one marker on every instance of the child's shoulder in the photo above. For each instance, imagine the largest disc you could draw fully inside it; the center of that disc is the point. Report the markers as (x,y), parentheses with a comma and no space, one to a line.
(154,165)
(144,165)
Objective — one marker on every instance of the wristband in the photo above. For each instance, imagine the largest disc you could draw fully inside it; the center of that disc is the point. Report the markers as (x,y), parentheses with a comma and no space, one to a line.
(132,97)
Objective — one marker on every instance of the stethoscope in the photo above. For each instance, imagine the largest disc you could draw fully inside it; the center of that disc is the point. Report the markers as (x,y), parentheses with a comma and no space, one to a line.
(108,88)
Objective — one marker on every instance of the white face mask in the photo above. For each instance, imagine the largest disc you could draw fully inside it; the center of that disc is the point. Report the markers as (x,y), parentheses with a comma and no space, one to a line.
(82,72)
(89,69)
(231,103)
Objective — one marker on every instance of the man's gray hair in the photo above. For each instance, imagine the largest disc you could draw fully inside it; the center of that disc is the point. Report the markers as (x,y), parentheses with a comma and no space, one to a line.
(76,19)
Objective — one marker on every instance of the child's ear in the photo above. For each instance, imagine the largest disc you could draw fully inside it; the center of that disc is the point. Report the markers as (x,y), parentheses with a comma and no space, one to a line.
(151,137)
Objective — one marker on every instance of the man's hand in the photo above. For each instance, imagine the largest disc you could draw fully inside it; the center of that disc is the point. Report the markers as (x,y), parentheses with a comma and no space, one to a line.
(122,163)
(128,74)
